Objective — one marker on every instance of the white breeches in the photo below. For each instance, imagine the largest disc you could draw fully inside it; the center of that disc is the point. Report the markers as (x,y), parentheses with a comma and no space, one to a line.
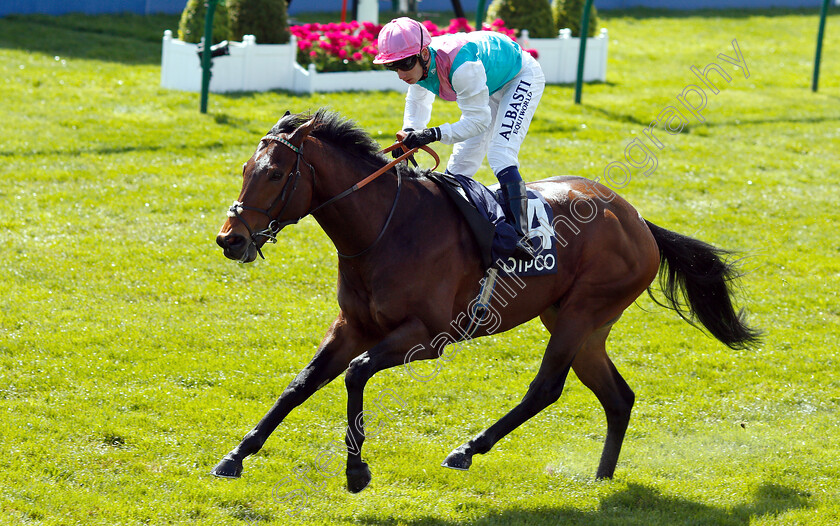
(512,109)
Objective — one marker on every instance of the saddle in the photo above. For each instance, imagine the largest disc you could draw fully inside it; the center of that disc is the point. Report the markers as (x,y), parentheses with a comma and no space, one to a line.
(496,238)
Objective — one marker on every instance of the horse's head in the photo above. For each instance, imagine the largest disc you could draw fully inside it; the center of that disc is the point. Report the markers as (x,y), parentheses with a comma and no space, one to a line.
(274,194)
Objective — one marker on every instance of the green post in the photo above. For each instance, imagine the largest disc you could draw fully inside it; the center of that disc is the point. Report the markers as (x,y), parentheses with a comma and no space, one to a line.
(584,34)
(816,77)
(479,13)
(206,62)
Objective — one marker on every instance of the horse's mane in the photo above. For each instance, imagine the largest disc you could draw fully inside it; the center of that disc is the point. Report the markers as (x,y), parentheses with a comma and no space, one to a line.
(334,129)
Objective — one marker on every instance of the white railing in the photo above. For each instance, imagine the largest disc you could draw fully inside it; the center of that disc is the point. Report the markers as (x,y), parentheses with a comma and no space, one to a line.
(558,57)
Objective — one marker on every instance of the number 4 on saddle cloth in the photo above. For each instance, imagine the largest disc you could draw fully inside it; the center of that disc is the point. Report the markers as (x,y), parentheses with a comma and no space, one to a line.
(496,238)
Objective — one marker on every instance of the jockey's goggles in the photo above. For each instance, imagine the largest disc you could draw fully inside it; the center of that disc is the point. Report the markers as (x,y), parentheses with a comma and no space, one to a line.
(405,64)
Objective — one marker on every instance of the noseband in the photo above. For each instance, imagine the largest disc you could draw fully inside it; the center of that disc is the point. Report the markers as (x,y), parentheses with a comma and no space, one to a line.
(274,226)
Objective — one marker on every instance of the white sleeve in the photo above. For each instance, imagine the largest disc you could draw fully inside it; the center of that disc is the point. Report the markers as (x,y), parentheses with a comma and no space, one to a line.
(470,84)
(418,107)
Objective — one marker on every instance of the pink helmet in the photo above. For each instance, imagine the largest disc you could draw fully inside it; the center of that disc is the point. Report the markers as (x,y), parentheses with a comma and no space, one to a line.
(401,38)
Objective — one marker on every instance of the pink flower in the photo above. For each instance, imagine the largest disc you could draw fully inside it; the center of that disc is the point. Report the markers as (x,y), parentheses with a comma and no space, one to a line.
(358,41)
(431,27)
(458,25)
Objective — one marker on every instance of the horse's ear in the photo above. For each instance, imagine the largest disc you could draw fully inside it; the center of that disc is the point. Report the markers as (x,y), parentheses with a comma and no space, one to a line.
(287,113)
(300,134)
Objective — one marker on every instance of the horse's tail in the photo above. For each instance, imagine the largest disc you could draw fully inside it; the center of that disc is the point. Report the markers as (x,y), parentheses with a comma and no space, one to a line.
(697,284)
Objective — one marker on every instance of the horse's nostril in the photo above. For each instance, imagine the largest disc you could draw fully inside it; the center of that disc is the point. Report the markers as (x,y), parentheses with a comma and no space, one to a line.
(221,240)
(229,240)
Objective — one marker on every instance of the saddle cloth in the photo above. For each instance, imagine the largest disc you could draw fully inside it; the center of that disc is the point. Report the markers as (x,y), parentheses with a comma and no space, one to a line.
(482,209)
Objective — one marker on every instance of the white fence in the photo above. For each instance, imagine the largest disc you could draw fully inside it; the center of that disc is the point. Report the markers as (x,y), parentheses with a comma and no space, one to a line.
(558,57)
(261,67)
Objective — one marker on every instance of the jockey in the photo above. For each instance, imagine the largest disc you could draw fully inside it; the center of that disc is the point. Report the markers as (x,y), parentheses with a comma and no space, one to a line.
(496,85)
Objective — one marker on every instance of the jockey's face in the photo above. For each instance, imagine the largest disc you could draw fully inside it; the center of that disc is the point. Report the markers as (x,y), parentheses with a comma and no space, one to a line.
(414,74)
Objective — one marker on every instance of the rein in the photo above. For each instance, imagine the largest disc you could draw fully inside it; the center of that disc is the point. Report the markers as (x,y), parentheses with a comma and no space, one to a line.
(274,226)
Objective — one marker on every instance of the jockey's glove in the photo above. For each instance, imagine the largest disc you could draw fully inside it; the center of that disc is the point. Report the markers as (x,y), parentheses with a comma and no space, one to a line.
(415,139)
(399,151)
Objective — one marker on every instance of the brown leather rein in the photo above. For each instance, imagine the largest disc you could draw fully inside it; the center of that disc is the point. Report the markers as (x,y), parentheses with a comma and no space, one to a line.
(393,163)
(374,175)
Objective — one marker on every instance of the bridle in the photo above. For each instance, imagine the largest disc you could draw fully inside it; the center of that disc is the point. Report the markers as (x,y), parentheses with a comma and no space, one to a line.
(274,226)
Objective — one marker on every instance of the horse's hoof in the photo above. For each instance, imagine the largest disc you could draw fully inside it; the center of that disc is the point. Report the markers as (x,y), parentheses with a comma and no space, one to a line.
(358,478)
(228,468)
(458,460)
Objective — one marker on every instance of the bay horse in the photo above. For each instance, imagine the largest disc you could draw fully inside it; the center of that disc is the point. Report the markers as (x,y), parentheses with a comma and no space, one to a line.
(408,266)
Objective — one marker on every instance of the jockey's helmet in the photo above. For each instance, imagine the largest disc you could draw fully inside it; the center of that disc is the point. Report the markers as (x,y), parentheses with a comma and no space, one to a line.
(401,38)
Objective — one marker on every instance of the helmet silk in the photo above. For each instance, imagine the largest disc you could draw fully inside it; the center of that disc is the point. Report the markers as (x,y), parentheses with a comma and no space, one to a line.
(401,38)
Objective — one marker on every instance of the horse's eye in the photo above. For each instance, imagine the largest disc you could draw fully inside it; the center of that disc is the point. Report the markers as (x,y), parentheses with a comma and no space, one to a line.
(276,175)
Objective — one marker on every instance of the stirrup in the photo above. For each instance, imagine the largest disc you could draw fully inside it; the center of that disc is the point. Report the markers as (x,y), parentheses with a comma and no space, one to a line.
(522,252)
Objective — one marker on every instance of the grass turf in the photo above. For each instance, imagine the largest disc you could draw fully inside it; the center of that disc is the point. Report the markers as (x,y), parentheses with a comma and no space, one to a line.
(133,355)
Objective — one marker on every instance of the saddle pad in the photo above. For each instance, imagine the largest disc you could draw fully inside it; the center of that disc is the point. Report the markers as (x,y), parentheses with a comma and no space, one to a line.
(541,235)
(495,236)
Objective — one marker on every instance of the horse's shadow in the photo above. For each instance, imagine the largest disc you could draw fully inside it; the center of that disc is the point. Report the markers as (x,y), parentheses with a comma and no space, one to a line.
(637,505)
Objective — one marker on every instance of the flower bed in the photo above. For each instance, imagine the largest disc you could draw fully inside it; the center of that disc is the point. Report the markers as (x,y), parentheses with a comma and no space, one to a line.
(351,46)
(339,57)
(348,46)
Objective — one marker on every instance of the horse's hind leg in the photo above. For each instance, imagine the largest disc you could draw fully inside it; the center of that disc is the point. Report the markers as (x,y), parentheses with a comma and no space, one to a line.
(595,369)
(567,336)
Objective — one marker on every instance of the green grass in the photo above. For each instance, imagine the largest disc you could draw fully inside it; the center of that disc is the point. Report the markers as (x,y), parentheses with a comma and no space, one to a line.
(133,355)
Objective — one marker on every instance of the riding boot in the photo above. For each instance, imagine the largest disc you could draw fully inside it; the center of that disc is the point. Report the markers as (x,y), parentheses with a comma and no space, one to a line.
(516,209)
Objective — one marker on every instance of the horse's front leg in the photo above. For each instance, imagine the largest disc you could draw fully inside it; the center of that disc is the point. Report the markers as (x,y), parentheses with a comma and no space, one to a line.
(410,341)
(340,345)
